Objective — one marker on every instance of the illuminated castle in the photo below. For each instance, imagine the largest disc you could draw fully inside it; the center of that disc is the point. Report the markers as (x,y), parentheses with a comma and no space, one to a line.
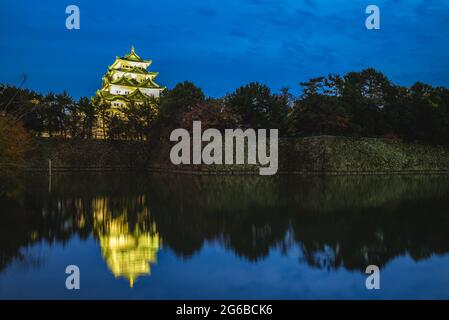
(127,80)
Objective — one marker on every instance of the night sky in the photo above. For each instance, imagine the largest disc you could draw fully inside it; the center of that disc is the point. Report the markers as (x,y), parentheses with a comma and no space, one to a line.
(220,45)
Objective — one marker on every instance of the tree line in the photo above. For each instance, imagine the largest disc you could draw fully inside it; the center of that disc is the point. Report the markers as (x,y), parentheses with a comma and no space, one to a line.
(364,103)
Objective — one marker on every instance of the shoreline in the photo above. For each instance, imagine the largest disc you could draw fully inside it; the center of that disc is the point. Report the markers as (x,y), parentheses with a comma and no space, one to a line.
(232,172)
(308,156)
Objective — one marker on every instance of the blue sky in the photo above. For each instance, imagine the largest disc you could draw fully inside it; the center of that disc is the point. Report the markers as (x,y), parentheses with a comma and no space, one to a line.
(220,45)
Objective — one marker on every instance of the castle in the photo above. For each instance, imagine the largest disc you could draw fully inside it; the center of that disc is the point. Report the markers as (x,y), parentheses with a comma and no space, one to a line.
(128,80)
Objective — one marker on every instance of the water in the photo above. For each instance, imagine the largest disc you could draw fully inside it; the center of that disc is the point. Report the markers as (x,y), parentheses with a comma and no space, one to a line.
(183,237)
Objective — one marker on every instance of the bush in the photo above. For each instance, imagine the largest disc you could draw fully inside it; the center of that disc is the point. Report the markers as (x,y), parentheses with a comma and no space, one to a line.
(14,142)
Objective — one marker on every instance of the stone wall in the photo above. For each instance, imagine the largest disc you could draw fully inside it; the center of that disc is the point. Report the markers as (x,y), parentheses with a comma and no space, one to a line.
(313,155)
(95,155)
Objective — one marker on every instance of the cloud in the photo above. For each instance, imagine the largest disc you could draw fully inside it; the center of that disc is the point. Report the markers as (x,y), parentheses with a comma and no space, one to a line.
(277,42)
(310,3)
(206,12)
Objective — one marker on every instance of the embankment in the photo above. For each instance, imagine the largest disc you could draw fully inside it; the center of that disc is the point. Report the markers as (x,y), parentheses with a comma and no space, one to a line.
(313,155)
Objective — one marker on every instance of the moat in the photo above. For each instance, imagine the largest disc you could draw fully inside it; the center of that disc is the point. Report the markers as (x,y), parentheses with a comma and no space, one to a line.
(143,236)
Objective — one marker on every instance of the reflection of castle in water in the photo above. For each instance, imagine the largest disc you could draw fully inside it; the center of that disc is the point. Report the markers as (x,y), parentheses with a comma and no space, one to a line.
(341,222)
(129,250)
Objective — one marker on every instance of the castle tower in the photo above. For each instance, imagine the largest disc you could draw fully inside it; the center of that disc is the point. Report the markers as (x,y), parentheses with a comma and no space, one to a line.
(126,80)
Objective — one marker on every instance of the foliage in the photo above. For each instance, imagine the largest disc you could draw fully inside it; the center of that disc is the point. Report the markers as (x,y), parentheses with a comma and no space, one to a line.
(14,141)
(182,98)
(320,110)
(364,103)
(212,114)
(258,107)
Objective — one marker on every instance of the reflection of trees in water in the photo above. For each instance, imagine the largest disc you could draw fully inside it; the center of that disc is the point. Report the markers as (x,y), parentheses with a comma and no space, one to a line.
(127,237)
(15,231)
(346,222)
(189,211)
(387,224)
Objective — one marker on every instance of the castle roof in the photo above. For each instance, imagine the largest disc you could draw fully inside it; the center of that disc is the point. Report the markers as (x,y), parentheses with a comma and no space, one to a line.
(133,70)
(129,82)
(132,56)
(136,95)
